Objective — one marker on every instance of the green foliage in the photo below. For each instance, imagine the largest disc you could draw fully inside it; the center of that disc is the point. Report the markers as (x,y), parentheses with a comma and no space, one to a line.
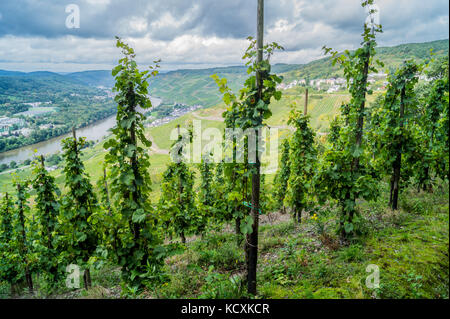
(206,198)
(345,173)
(235,173)
(247,112)
(303,161)
(47,212)
(9,259)
(78,204)
(221,286)
(432,126)
(106,222)
(177,202)
(220,253)
(24,235)
(392,127)
(283,174)
(128,162)
(220,206)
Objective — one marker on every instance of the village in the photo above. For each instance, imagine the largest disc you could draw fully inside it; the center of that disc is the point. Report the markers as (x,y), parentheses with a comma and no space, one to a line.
(335,84)
(179,109)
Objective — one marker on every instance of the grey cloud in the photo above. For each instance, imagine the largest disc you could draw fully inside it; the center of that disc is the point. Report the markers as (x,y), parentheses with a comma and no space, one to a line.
(174,29)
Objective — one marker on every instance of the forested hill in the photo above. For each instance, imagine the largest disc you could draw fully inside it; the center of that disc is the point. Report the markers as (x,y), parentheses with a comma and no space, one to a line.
(94,78)
(196,87)
(392,57)
(19,87)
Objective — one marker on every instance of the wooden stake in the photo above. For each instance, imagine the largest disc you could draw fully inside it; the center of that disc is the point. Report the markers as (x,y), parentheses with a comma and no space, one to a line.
(24,248)
(74,133)
(305,111)
(252,243)
(180,185)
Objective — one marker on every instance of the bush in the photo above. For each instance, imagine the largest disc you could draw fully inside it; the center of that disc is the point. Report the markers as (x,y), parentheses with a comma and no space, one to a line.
(220,286)
(226,256)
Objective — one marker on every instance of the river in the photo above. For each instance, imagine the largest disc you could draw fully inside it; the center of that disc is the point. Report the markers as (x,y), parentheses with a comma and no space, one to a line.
(94,132)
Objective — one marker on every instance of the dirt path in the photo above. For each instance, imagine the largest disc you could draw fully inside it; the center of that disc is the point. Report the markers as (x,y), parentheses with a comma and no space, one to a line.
(282,127)
(155,148)
(208,118)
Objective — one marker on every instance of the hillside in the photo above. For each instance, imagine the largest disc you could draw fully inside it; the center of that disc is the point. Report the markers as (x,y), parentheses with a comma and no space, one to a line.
(194,86)
(390,56)
(38,86)
(93,78)
(305,259)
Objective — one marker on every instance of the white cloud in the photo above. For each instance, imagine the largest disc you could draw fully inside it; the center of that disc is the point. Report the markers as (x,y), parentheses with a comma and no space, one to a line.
(98,2)
(205,34)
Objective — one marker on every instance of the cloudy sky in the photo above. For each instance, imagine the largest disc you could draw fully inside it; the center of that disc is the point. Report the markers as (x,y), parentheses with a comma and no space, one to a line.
(198,33)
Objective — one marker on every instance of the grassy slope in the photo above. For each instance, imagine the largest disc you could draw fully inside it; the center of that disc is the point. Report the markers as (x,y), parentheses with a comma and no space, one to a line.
(410,247)
(392,57)
(196,86)
(321,111)
(297,263)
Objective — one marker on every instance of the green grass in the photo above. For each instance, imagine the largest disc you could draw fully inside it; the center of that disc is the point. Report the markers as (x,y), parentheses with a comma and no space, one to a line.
(410,247)
(322,108)
(161,134)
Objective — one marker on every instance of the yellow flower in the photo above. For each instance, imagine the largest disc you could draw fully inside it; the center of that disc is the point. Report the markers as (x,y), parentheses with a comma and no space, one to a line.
(314,217)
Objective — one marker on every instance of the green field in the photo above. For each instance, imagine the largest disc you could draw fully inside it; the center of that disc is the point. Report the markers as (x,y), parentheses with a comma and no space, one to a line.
(322,108)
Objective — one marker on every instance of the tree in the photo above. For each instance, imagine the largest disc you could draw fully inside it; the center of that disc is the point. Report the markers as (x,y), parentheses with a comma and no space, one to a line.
(252,109)
(21,230)
(391,131)
(345,173)
(282,177)
(219,187)
(236,167)
(47,211)
(128,162)
(78,206)
(206,194)
(107,221)
(177,199)
(303,158)
(9,259)
(431,126)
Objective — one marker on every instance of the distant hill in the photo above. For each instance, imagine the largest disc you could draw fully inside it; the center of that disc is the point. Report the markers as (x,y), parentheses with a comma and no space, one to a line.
(93,78)
(194,86)
(11,73)
(37,86)
(392,57)
(197,87)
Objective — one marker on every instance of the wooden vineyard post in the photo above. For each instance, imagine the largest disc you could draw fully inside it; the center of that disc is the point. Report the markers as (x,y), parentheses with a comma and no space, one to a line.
(180,187)
(305,110)
(256,178)
(398,159)
(23,240)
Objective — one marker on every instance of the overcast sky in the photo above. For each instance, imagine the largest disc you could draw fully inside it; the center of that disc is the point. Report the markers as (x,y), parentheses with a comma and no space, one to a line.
(199,33)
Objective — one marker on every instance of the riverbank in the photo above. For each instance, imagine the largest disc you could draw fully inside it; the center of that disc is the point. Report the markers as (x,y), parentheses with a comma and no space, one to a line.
(94,132)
